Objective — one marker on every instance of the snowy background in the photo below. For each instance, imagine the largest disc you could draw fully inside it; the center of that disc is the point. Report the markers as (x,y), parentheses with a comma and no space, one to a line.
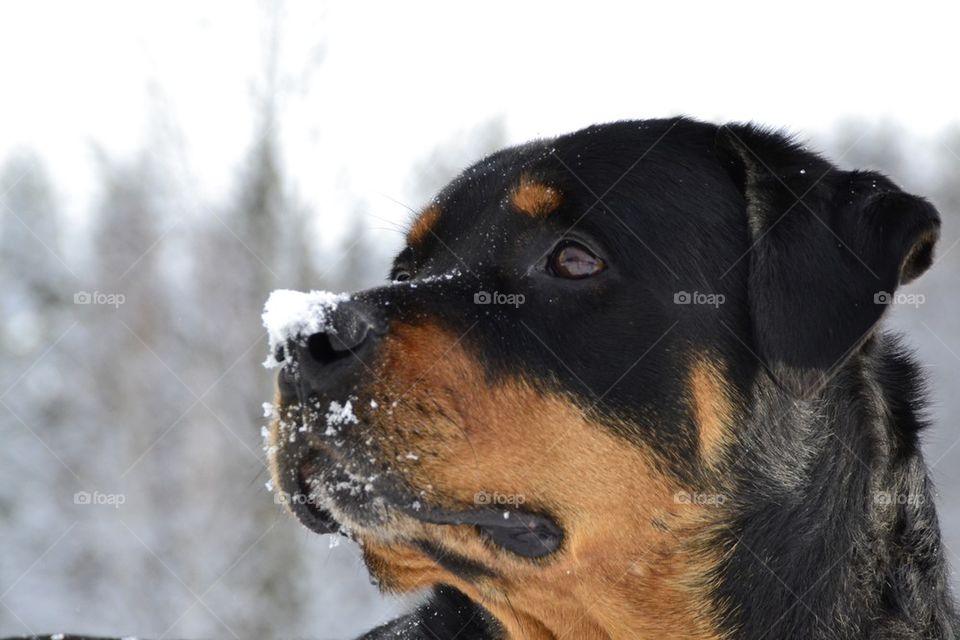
(175,162)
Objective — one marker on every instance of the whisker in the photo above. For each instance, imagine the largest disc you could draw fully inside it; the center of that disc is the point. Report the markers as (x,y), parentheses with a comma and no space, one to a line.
(402,204)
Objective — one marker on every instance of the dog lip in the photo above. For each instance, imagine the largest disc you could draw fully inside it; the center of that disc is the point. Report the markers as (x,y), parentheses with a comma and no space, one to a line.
(312,516)
(525,533)
(297,493)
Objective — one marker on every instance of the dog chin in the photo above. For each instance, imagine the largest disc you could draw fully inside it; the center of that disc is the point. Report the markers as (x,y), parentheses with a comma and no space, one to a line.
(354,501)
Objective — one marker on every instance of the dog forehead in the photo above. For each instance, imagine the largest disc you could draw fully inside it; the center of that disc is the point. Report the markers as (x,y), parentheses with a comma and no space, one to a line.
(494,195)
(635,179)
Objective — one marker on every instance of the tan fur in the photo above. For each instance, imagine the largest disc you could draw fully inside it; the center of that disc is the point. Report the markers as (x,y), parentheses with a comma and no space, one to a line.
(401,568)
(617,575)
(423,225)
(712,406)
(288,415)
(534,198)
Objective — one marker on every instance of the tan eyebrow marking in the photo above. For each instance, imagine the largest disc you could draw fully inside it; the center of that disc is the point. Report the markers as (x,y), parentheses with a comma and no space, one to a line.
(423,225)
(534,198)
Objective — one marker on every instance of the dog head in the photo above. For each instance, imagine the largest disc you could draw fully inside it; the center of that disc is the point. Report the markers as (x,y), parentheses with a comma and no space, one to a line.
(540,406)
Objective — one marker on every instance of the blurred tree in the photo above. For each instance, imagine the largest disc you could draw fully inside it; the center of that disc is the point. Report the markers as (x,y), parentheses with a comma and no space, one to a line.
(37,285)
(131,360)
(246,249)
(30,245)
(455,154)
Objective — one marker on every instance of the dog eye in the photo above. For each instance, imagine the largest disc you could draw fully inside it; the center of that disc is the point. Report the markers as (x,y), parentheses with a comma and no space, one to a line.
(573,261)
(400,275)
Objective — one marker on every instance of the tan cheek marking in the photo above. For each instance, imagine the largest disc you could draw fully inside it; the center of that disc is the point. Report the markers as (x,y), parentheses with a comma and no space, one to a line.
(617,575)
(423,225)
(401,568)
(534,198)
(712,406)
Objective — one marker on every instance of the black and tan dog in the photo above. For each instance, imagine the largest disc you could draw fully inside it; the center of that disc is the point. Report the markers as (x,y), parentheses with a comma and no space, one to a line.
(628,383)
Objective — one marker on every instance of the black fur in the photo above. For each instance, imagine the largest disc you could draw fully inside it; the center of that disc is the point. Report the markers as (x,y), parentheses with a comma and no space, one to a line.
(835,522)
(448,614)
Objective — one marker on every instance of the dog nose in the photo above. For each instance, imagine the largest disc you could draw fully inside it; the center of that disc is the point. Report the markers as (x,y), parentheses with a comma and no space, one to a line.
(348,328)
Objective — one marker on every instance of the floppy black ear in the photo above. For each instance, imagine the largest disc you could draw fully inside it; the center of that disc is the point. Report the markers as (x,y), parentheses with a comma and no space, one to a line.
(829,249)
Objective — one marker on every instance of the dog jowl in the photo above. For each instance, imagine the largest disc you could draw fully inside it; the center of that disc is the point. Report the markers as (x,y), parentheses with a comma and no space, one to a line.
(628,383)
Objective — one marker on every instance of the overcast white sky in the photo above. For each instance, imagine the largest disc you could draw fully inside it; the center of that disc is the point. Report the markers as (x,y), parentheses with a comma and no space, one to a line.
(397,78)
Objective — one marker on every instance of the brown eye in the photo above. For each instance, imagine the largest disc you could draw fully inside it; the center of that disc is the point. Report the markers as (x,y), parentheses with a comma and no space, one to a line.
(574,261)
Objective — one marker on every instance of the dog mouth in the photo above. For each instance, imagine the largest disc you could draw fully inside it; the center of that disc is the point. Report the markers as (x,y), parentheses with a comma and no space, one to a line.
(524,533)
(333,495)
(336,479)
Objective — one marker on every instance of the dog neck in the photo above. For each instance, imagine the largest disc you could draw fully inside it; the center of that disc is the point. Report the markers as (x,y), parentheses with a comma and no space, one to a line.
(835,532)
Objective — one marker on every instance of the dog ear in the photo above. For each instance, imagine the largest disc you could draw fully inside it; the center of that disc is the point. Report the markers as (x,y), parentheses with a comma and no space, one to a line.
(828,250)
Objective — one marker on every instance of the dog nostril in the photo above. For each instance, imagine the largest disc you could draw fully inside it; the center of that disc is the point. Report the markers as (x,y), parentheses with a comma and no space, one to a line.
(347,329)
(322,349)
